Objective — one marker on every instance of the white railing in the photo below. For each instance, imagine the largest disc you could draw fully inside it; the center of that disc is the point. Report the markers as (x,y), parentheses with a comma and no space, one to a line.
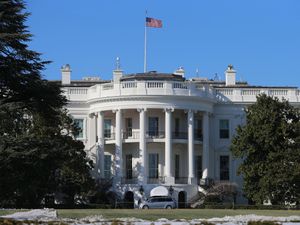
(132,84)
(77,91)
(175,88)
(180,85)
(250,92)
(224,91)
(155,84)
(278,92)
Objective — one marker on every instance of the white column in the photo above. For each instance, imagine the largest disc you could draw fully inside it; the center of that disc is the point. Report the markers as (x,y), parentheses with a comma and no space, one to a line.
(118,145)
(142,147)
(205,152)
(100,142)
(191,163)
(168,147)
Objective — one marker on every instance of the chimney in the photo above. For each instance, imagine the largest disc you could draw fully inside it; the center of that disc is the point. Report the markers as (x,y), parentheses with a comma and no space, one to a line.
(230,75)
(66,74)
(179,71)
(117,73)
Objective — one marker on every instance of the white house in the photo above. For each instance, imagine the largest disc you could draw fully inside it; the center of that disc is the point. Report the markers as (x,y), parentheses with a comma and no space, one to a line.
(154,129)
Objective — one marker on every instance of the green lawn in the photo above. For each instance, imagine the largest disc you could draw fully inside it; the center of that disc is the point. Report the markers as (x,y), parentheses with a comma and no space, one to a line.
(169,214)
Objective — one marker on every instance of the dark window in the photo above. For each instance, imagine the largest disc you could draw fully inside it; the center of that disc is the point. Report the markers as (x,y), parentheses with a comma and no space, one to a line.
(153,126)
(129,166)
(153,165)
(79,123)
(107,166)
(107,128)
(177,164)
(198,129)
(128,122)
(198,166)
(224,129)
(224,167)
(177,122)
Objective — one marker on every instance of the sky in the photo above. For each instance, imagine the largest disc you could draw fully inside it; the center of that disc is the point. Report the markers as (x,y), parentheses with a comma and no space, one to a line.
(260,38)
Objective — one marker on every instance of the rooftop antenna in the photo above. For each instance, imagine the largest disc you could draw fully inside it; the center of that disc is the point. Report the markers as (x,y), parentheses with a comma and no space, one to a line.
(216,77)
(197,72)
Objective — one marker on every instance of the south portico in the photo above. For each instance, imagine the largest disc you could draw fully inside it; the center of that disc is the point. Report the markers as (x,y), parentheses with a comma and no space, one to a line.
(164,140)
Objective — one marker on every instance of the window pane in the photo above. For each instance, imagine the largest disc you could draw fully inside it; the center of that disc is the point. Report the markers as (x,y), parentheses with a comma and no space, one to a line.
(128,122)
(177,164)
(224,167)
(153,165)
(153,126)
(129,166)
(198,167)
(79,123)
(107,128)
(224,129)
(107,166)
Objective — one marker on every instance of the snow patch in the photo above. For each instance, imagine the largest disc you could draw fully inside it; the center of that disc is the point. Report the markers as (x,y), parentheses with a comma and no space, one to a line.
(36,214)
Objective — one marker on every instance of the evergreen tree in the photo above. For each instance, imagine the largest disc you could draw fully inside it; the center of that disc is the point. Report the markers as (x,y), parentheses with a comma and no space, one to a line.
(36,157)
(269,145)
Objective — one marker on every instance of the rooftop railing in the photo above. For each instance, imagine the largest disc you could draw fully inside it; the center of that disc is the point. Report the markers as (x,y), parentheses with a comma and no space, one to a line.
(177,88)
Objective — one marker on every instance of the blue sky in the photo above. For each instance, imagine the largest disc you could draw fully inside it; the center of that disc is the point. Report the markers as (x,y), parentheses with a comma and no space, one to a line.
(261,38)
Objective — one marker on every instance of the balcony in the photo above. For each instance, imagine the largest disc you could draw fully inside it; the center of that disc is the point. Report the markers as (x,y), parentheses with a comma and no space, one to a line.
(129,134)
(155,134)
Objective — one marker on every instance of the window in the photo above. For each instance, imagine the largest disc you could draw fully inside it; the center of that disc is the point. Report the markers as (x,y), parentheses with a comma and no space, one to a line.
(107,128)
(198,129)
(198,167)
(224,129)
(224,167)
(79,123)
(128,125)
(129,166)
(153,126)
(107,166)
(177,166)
(177,122)
(153,165)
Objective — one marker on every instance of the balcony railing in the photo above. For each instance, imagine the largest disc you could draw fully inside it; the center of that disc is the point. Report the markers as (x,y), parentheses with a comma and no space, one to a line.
(155,134)
(131,134)
(109,136)
(180,135)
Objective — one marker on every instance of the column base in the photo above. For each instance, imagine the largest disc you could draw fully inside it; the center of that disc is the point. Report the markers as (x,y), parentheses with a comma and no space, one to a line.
(169,180)
(192,180)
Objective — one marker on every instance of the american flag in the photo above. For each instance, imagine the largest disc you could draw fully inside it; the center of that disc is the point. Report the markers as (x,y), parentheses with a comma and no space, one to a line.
(150,22)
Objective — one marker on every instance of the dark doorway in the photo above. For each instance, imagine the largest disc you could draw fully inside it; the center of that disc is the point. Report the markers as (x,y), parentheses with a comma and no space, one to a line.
(129,200)
(182,200)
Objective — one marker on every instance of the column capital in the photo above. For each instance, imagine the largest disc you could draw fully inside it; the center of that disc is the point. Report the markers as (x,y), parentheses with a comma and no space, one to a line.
(91,115)
(169,109)
(115,110)
(141,110)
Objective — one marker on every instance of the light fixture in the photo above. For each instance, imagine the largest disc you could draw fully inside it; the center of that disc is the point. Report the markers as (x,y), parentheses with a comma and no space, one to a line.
(171,190)
(141,190)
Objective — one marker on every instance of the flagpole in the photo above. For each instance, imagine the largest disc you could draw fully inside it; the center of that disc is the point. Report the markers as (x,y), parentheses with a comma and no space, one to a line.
(145,47)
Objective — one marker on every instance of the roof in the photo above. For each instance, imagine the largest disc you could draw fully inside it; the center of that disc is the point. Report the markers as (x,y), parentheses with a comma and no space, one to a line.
(152,75)
(80,83)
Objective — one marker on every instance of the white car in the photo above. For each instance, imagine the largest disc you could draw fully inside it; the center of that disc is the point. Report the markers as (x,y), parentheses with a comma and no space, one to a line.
(159,202)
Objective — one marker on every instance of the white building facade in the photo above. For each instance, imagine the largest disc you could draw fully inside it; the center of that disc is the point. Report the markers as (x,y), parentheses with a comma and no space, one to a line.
(154,129)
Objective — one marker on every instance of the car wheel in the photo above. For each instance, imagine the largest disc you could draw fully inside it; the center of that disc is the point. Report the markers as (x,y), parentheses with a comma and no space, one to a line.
(145,207)
(169,207)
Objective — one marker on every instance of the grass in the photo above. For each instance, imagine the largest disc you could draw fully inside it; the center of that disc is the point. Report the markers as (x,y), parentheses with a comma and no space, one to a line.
(10,211)
(155,214)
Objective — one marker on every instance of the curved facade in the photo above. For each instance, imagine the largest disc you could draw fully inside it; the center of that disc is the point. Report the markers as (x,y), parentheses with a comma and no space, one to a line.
(150,129)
